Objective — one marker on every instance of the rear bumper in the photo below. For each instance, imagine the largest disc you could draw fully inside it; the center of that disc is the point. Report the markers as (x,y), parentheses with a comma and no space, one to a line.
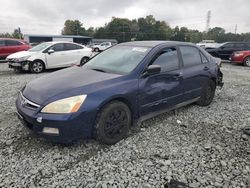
(70,127)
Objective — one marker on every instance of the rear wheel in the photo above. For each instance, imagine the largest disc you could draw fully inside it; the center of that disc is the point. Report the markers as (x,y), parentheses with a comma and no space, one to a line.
(112,123)
(96,50)
(84,60)
(247,61)
(37,66)
(207,94)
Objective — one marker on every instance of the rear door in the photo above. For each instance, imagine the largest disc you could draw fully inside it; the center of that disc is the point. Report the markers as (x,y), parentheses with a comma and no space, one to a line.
(73,54)
(195,71)
(161,91)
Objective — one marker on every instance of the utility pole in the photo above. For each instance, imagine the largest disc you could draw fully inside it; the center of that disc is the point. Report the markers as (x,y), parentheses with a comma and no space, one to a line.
(235,30)
(208,20)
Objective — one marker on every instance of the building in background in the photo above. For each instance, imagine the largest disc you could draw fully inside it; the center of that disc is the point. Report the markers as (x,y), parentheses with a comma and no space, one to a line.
(46,38)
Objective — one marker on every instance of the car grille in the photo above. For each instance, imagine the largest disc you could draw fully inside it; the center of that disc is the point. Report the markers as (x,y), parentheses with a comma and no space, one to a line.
(27,103)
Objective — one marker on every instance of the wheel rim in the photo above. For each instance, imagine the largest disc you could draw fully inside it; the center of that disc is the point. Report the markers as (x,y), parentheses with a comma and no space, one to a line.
(37,67)
(248,62)
(85,60)
(115,122)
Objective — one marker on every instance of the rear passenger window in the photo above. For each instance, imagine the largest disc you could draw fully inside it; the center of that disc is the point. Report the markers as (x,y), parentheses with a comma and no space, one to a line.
(2,43)
(228,45)
(239,45)
(190,55)
(69,46)
(13,43)
(167,59)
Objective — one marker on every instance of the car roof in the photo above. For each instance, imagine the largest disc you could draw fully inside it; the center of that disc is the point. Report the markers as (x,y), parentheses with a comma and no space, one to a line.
(12,39)
(56,42)
(153,43)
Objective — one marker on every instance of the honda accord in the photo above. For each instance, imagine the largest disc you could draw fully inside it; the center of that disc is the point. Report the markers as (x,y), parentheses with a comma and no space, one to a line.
(128,83)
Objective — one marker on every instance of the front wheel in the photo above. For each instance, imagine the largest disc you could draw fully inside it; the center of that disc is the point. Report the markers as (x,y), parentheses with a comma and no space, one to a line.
(247,61)
(112,123)
(207,94)
(37,67)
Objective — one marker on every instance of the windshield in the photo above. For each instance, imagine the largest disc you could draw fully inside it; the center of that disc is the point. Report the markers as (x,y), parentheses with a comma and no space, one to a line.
(119,59)
(40,47)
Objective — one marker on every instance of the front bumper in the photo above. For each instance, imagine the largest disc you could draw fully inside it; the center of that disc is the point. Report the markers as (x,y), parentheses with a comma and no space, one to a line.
(24,65)
(70,127)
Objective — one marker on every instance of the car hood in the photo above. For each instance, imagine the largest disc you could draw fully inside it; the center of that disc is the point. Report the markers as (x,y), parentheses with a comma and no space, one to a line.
(212,50)
(67,82)
(20,54)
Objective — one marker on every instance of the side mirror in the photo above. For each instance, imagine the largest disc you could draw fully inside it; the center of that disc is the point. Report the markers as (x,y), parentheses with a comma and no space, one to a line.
(51,51)
(152,70)
(222,47)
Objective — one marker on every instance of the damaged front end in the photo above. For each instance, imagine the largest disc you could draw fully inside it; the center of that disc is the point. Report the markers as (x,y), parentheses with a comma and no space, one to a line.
(220,82)
(18,65)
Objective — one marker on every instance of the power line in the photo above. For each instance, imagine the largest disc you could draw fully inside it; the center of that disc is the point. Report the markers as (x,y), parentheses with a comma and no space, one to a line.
(208,20)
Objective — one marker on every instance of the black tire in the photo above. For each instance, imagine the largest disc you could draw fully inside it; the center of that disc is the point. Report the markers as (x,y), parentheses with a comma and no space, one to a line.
(207,94)
(37,66)
(112,123)
(96,50)
(84,60)
(247,61)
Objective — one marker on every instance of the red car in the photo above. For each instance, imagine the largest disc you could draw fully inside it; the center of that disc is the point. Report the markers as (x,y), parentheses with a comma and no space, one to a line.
(9,46)
(241,57)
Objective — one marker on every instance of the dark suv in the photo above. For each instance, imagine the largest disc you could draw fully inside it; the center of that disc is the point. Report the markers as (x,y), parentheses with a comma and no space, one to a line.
(225,50)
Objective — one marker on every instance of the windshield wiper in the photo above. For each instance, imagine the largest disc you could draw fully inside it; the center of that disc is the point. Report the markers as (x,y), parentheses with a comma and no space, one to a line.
(100,70)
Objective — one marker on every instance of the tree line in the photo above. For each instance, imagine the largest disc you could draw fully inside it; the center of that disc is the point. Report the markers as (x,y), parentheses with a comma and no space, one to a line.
(145,28)
(148,28)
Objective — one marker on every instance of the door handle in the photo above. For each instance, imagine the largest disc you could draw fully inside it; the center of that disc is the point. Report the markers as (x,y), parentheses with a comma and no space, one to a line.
(206,68)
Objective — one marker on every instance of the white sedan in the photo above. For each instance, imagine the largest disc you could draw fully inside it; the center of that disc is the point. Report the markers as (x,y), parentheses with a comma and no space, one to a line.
(49,55)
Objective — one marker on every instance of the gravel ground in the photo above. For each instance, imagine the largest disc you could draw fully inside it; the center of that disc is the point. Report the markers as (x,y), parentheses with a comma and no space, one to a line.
(199,146)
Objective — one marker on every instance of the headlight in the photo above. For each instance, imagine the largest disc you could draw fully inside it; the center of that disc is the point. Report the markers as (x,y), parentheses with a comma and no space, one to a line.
(67,105)
(23,58)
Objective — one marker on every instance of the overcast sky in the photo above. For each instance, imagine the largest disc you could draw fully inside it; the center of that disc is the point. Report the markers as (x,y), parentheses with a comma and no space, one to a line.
(48,16)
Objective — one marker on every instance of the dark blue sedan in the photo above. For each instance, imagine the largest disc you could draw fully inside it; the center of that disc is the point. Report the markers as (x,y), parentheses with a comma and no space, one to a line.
(127,83)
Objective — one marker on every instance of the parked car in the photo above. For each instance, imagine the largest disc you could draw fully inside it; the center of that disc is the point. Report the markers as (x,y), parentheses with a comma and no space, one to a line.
(9,46)
(127,83)
(208,44)
(241,57)
(49,55)
(225,50)
(102,46)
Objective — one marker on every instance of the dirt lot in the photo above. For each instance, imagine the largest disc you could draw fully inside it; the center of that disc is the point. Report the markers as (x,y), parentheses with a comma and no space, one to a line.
(200,146)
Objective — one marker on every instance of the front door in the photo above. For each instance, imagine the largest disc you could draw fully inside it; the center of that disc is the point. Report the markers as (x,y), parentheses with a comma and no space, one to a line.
(161,91)
(58,58)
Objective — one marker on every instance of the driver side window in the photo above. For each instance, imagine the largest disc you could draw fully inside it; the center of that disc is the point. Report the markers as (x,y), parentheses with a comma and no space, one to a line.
(58,47)
(167,59)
